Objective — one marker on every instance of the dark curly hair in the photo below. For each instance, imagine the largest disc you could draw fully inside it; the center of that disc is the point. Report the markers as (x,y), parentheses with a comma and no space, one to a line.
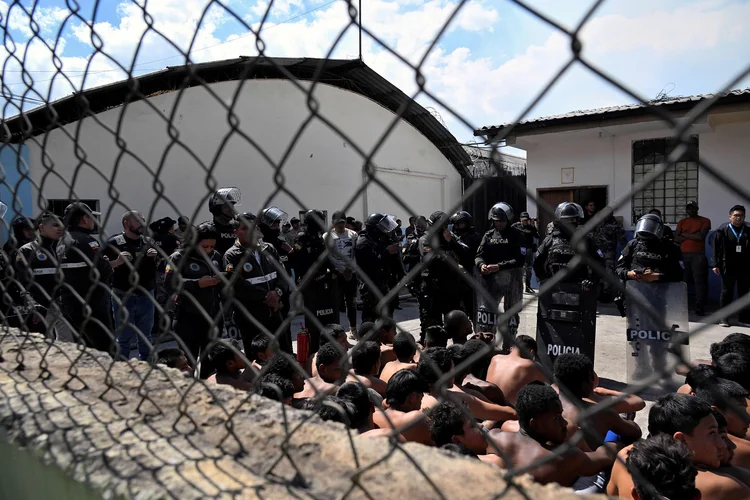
(446,420)
(533,400)
(665,468)
(432,357)
(574,371)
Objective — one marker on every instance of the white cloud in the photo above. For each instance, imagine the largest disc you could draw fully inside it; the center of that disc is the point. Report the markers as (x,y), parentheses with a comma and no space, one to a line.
(485,89)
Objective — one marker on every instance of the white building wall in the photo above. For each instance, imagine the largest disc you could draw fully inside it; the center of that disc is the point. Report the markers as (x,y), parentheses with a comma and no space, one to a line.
(603,157)
(322,171)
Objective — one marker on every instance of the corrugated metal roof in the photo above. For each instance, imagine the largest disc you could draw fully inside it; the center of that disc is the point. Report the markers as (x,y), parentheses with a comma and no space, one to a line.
(352,75)
(611,112)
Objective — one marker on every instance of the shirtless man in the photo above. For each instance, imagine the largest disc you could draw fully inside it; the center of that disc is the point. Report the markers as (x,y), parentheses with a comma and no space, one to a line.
(541,422)
(458,326)
(730,399)
(366,366)
(515,370)
(336,332)
(402,407)
(436,362)
(690,420)
(230,367)
(330,374)
(576,373)
(726,453)
(363,410)
(450,424)
(665,467)
(471,378)
(405,347)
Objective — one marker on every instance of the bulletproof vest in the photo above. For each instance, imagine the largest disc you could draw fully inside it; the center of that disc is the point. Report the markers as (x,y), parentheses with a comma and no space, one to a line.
(560,253)
(649,255)
(604,236)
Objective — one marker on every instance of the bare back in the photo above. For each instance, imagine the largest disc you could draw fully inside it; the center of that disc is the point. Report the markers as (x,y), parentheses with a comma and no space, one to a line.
(512,373)
(715,484)
(620,481)
(389,418)
(395,366)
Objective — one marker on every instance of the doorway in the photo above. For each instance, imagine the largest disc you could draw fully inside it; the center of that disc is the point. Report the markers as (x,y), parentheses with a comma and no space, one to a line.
(580,195)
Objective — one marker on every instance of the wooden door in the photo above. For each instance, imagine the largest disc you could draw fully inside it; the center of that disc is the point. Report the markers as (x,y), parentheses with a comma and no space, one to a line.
(553,197)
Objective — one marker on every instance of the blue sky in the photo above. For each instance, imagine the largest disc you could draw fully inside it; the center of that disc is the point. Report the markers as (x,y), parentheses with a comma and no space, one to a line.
(494,59)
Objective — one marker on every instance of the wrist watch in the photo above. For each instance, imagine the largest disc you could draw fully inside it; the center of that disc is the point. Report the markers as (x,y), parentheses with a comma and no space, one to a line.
(279,292)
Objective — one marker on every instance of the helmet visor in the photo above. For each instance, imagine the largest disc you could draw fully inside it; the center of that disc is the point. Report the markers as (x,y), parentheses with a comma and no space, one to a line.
(387,224)
(274,214)
(228,195)
(649,228)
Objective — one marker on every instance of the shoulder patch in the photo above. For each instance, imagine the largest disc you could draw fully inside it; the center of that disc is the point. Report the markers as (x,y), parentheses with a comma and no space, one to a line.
(247,267)
(229,268)
(41,256)
(119,239)
(169,269)
(94,244)
(297,247)
(194,266)
(523,250)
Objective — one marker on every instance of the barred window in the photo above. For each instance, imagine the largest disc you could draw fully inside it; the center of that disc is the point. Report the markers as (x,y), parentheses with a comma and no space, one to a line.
(57,207)
(671,191)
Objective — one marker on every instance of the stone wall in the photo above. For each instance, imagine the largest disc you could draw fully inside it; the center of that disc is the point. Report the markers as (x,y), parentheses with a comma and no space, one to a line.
(129,430)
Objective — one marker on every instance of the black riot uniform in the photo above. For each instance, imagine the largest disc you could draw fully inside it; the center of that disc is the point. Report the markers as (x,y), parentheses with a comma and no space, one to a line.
(257,266)
(410,252)
(371,255)
(40,277)
(463,228)
(270,221)
(441,285)
(501,246)
(80,254)
(12,295)
(649,251)
(554,254)
(195,307)
(168,243)
(221,205)
(318,292)
(530,238)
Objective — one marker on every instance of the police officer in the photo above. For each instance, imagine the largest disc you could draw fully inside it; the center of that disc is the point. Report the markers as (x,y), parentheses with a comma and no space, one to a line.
(556,251)
(652,259)
(22,232)
(193,276)
(499,261)
(259,289)
(607,236)
(318,292)
(222,205)
(441,284)
(165,237)
(410,252)
(530,237)
(39,275)
(463,227)
(370,252)
(134,311)
(87,278)
(270,221)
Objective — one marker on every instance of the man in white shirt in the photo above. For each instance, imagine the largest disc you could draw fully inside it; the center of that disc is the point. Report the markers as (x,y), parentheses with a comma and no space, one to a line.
(340,243)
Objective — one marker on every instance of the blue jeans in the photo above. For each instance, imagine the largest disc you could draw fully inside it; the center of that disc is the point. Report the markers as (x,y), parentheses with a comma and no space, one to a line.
(140,322)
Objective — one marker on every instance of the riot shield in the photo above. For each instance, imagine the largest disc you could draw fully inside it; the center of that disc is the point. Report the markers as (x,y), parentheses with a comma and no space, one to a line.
(566,322)
(506,287)
(647,340)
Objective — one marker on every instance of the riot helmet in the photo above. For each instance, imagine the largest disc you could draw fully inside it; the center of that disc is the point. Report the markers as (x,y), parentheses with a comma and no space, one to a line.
(438,218)
(270,222)
(649,227)
(569,212)
(382,222)
(461,221)
(501,212)
(224,196)
(315,221)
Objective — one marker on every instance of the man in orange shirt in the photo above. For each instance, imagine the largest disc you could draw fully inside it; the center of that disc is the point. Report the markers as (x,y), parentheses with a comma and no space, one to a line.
(691,235)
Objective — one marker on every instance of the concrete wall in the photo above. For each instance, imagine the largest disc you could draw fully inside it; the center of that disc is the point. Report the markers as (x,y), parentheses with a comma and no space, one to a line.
(175,442)
(15,183)
(323,169)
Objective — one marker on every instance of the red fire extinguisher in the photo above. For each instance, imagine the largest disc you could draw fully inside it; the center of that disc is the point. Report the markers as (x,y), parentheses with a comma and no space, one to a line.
(303,345)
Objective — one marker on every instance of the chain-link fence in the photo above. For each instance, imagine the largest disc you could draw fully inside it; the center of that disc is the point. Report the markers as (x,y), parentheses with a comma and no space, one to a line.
(94,289)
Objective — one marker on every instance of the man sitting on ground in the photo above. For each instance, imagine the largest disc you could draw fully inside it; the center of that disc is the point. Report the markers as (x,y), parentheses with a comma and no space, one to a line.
(262,349)
(287,369)
(689,420)
(435,336)
(330,373)
(450,424)
(402,407)
(331,331)
(366,366)
(542,429)
(275,387)
(514,371)
(436,362)
(471,378)
(383,331)
(730,399)
(175,358)
(726,453)
(405,347)
(576,373)
(458,326)
(665,470)
(364,411)
(230,366)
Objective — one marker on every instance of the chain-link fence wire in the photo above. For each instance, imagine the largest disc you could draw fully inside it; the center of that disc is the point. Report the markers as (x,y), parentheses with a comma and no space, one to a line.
(19,314)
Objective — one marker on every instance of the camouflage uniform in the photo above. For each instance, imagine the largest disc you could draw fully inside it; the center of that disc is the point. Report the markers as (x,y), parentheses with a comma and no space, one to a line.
(606,236)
